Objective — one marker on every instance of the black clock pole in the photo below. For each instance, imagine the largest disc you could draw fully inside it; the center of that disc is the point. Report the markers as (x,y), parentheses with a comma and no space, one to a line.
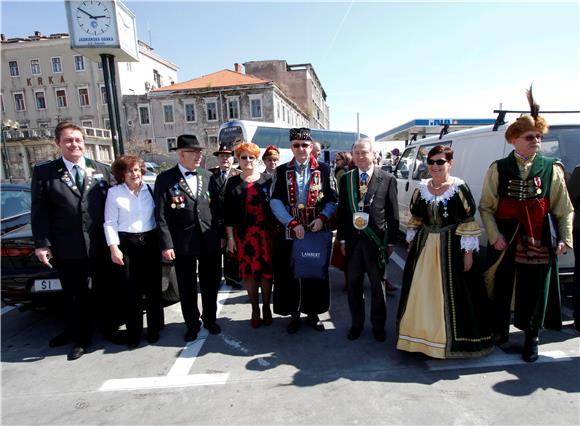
(110,76)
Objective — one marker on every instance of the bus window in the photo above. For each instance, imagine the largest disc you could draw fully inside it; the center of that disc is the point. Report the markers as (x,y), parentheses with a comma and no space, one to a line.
(265,136)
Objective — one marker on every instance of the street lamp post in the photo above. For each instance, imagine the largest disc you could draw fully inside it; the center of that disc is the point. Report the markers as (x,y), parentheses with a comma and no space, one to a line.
(7,126)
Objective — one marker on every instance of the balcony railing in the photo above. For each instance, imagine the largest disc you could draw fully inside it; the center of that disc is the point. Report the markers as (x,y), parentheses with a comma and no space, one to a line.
(44,133)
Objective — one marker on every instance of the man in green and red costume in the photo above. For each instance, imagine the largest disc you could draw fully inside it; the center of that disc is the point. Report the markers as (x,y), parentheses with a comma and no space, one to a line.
(528,217)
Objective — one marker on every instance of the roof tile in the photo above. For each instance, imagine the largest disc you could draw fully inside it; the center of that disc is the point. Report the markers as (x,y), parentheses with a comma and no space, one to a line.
(223,78)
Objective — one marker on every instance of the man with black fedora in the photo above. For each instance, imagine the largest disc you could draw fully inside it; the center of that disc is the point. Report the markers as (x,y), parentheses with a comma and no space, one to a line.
(188,234)
(217,186)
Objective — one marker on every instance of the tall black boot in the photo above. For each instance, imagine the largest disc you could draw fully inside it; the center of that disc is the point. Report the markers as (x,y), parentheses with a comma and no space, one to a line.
(530,352)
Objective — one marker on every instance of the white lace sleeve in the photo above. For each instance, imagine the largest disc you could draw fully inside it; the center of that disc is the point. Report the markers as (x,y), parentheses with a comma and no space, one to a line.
(410,235)
(469,243)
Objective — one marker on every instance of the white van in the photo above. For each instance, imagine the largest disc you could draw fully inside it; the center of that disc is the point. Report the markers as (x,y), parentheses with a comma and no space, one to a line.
(473,152)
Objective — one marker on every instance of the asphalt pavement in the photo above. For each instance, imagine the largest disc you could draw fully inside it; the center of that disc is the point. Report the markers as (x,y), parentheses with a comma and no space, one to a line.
(265,376)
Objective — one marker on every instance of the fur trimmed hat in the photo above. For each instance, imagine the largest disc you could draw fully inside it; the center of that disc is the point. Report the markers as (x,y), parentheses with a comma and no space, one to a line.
(525,123)
(271,151)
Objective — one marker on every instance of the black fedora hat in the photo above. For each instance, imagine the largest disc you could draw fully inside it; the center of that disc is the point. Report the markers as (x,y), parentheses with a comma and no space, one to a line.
(189,141)
(224,149)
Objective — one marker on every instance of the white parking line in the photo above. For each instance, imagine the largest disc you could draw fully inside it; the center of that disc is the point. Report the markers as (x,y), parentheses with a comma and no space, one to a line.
(496,359)
(178,375)
(7,309)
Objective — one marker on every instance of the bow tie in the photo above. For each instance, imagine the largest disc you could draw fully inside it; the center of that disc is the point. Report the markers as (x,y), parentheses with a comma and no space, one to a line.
(194,173)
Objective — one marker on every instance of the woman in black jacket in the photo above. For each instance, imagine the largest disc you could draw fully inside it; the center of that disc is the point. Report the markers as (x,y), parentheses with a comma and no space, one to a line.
(247,219)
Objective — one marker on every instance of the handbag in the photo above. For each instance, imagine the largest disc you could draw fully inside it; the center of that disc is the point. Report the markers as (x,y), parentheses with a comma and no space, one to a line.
(311,255)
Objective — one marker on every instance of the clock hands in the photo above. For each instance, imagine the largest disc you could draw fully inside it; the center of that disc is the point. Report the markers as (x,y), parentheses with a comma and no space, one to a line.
(86,13)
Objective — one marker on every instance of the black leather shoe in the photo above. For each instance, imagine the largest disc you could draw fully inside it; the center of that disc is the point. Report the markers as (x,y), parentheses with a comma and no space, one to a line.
(314,322)
(153,336)
(530,352)
(190,334)
(60,340)
(380,335)
(213,328)
(354,333)
(75,353)
(294,326)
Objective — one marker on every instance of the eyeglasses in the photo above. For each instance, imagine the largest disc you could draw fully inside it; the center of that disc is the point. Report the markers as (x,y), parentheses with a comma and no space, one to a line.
(531,138)
(300,145)
(439,162)
(247,158)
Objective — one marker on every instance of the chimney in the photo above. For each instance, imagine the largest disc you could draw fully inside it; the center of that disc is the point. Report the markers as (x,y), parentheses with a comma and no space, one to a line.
(238,68)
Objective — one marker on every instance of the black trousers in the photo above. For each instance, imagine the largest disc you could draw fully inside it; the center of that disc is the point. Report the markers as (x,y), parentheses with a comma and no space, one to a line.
(363,258)
(186,269)
(141,276)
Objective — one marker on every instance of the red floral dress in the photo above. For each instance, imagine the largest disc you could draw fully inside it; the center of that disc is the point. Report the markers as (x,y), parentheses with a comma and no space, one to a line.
(254,246)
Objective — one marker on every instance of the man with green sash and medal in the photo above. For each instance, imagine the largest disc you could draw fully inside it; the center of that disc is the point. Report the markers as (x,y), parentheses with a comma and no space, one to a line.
(303,199)
(528,217)
(368,222)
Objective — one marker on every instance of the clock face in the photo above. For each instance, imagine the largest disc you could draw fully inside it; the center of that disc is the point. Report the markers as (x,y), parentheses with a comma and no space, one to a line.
(93,17)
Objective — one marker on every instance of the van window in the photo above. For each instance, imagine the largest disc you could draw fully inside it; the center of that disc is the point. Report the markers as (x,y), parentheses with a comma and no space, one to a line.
(563,143)
(405,163)
(421,171)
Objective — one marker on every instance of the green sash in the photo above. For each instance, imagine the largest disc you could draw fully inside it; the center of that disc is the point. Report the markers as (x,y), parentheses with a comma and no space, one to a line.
(353,198)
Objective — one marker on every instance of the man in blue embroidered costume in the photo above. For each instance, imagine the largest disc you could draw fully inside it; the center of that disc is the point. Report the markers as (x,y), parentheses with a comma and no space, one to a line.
(68,205)
(188,234)
(528,217)
(368,222)
(303,199)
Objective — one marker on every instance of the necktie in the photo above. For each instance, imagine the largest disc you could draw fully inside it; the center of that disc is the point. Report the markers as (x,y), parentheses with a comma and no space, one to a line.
(301,167)
(79,178)
(194,173)
(224,174)
(364,178)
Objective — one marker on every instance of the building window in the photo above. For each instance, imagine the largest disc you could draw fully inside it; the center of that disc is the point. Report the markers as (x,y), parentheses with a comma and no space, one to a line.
(144,114)
(84,99)
(157,78)
(278,110)
(40,100)
(2,102)
(35,67)
(61,101)
(56,65)
(129,67)
(106,123)
(283,113)
(100,65)
(87,123)
(256,106)
(19,104)
(168,113)
(233,108)
(171,144)
(13,65)
(103,94)
(211,109)
(79,63)
(189,112)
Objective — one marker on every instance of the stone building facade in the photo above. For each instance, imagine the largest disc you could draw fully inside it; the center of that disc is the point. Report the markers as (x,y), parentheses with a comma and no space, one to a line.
(199,106)
(300,83)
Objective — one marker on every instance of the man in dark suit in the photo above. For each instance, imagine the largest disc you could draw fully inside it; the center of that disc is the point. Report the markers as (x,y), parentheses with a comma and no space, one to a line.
(68,201)
(303,200)
(186,223)
(217,186)
(368,222)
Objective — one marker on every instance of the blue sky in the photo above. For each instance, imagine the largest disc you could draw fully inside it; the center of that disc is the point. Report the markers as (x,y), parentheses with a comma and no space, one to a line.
(389,61)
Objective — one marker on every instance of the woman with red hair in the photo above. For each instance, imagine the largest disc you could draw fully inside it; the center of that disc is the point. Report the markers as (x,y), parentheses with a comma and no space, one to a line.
(246,218)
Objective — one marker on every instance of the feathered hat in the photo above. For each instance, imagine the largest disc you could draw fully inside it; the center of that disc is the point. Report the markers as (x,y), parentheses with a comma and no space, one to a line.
(525,123)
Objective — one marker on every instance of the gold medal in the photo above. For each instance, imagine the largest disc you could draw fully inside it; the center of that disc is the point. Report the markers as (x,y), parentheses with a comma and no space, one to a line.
(173,205)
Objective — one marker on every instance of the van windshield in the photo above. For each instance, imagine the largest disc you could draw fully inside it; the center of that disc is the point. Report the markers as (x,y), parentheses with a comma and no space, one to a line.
(563,143)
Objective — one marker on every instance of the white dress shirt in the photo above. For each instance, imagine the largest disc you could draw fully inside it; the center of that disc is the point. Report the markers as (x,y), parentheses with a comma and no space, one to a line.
(127,212)
(190,179)
(369,172)
(70,167)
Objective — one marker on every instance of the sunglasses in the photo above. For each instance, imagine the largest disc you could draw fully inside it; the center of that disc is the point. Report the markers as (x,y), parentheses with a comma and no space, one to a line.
(300,145)
(531,138)
(439,162)
(245,157)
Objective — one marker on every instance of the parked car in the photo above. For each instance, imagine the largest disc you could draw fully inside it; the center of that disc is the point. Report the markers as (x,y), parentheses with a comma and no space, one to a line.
(25,281)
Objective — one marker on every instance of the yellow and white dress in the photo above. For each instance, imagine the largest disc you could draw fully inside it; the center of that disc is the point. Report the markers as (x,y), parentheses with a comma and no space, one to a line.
(443,311)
